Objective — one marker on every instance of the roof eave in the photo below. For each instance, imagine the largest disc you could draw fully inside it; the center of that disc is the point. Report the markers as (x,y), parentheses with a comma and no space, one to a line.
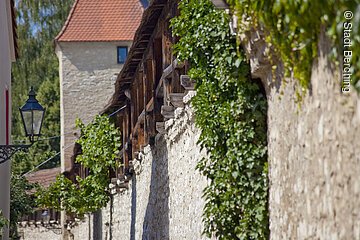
(118,98)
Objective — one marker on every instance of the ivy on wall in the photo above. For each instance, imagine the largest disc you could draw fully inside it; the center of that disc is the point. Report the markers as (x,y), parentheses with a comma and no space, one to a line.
(231,113)
(100,142)
(294,26)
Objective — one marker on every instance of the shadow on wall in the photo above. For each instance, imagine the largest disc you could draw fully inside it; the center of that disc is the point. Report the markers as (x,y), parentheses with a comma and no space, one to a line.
(133,208)
(97,225)
(156,220)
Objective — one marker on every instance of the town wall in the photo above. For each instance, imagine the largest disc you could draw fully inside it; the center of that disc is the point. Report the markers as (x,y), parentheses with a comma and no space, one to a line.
(32,231)
(313,149)
(313,154)
(163,199)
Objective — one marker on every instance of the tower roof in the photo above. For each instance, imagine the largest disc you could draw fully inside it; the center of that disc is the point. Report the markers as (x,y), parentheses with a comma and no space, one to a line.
(101,20)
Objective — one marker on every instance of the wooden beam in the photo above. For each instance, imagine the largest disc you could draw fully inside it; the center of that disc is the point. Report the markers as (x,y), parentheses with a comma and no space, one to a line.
(150,105)
(167,111)
(176,99)
(187,82)
(150,123)
(167,72)
(159,93)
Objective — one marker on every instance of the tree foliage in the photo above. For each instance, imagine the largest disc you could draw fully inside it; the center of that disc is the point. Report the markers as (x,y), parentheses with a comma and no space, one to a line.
(3,223)
(21,201)
(294,26)
(100,143)
(231,113)
(38,22)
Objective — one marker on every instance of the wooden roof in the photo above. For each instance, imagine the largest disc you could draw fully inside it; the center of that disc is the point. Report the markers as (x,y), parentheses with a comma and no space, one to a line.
(43,177)
(140,44)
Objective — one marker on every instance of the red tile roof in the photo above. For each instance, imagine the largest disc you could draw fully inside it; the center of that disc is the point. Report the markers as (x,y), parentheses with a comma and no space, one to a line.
(102,20)
(43,177)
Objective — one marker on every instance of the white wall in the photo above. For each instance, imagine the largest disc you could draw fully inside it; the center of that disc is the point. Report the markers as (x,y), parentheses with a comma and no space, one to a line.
(6,56)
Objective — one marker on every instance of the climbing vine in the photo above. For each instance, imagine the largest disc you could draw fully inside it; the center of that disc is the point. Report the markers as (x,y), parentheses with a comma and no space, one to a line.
(100,143)
(294,26)
(231,113)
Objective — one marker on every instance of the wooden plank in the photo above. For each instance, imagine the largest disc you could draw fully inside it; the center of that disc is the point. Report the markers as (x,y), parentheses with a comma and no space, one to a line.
(150,78)
(176,99)
(175,82)
(166,42)
(145,98)
(167,72)
(141,136)
(166,91)
(125,160)
(150,105)
(133,105)
(187,82)
(159,93)
(167,111)
(157,56)
(150,123)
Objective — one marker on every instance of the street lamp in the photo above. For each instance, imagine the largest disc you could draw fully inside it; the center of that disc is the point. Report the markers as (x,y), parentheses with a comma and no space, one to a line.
(32,116)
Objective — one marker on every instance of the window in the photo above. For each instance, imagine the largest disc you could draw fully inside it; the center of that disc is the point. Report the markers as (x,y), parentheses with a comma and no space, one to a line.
(122,54)
(145,3)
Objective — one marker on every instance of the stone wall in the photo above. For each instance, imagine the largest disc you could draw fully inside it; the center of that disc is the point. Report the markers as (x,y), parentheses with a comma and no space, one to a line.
(313,150)
(314,166)
(35,232)
(163,200)
(88,71)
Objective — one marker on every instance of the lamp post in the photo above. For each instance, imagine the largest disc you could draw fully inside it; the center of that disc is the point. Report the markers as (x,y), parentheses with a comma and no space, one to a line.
(32,115)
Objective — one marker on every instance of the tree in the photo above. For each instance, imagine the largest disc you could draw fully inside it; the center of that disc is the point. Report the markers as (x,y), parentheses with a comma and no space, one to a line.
(38,22)
(3,223)
(21,201)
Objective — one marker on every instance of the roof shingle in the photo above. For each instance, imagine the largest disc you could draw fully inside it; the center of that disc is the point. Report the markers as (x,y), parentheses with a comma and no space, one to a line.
(102,20)
(44,177)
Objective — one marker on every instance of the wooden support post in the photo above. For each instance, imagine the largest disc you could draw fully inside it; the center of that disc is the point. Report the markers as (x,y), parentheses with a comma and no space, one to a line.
(166,92)
(167,111)
(151,124)
(176,99)
(141,136)
(125,138)
(187,83)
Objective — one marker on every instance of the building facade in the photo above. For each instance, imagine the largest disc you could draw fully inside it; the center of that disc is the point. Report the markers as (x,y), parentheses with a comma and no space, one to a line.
(7,55)
(92,48)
